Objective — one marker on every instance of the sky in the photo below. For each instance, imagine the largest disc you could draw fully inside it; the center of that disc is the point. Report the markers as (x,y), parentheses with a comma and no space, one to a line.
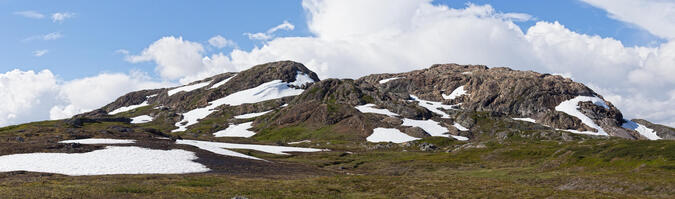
(61,58)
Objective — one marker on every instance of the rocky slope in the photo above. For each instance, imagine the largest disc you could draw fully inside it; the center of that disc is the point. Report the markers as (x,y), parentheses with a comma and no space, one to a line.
(460,101)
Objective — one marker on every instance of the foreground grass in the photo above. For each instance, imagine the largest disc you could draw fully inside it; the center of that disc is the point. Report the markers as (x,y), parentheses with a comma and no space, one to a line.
(590,169)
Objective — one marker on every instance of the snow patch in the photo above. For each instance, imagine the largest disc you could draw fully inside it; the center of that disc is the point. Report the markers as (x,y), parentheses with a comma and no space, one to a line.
(642,129)
(388,79)
(467,73)
(571,107)
(266,91)
(432,127)
(370,108)
(221,148)
(433,106)
(389,135)
(459,91)
(141,119)
(251,115)
(300,142)
(236,130)
(460,127)
(222,82)
(302,79)
(108,161)
(150,96)
(99,141)
(188,88)
(128,108)
(526,119)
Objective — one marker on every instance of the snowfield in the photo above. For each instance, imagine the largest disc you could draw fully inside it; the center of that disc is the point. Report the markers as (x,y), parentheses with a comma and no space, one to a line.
(99,141)
(266,91)
(221,148)
(236,130)
(388,79)
(432,127)
(459,91)
(141,119)
(111,160)
(433,106)
(222,82)
(571,107)
(389,135)
(128,108)
(188,88)
(526,119)
(642,129)
(370,108)
(251,115)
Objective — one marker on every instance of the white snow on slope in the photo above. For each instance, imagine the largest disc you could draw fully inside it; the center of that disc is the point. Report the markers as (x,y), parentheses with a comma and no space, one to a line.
(236,130)
(222,82)
(433,106)
(251,115)
(642,129)
(432,127)
(301,79)
(388,79)
(128,108)
(141,119)
(150,96)
(460,127)
(188,88)
(111,160)
(571,107)
(459,91)
(300,142)
(389,135)
(370,108)
(526,119)
(266,91)
(221,148)
(467,73)
(99,141)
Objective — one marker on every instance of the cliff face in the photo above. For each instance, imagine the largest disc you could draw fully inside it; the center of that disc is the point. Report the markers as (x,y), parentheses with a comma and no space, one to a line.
(457,97)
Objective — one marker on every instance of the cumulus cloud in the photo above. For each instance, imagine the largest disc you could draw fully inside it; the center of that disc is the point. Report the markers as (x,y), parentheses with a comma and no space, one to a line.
(25,95)
(655,16)
(30,14)
(270,32)
(221,42)
(39,53)
(59,17)
(174,56)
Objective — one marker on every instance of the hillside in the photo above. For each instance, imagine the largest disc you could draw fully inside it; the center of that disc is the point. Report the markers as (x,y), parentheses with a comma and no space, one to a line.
(457,130)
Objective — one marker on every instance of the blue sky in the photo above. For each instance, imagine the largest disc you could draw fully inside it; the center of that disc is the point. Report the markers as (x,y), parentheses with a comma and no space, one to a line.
(90,39)
(53,69)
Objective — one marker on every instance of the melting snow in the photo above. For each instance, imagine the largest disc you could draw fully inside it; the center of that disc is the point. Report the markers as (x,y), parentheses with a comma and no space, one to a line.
(222,82)
(111,160)
(460,127)
(300,142)
(301,79)
(433,106)
(141,119)
(251,115)
(236,130)
(388,79)
(466,73)
(150,96)
(128,108)
(221,148)
(526,119)
(266,91)
(459,91)
(188,88)
(571,107)
(370,108)
(432,127)
(99,141)
(389,135)
(642,129)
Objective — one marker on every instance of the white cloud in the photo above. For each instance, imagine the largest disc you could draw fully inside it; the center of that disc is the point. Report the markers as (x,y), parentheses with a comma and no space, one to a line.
(59,17)
(270,32)
(655,16)
(25,95)
(221,42)
(45,37)
(30,14)
(175,57)
(39,53)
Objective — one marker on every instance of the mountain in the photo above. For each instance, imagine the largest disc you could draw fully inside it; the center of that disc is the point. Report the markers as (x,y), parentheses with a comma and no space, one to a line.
(457,97)
(278,131)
